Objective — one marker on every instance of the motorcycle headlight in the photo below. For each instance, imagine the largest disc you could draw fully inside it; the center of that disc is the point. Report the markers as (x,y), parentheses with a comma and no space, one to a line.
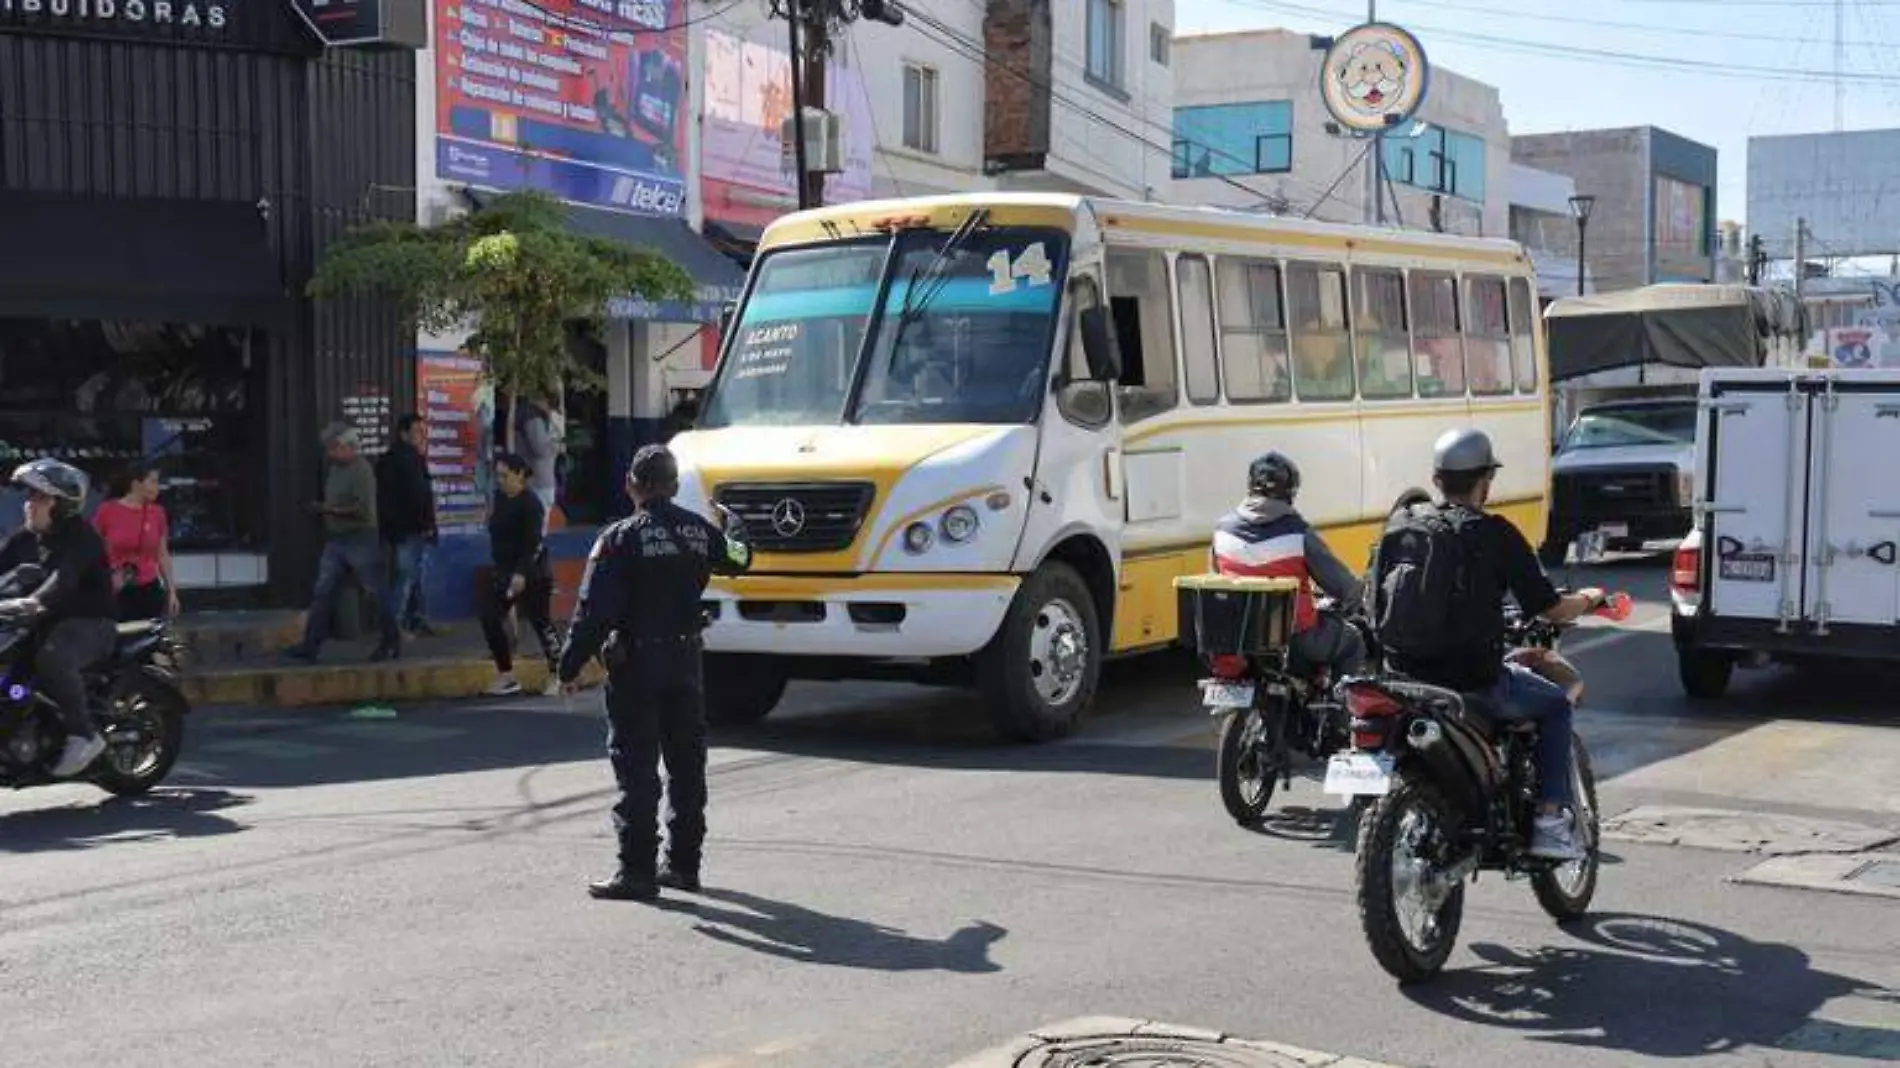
(960,524)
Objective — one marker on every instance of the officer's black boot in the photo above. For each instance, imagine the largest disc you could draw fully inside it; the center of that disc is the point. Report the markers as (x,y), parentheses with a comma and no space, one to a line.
(624,886)
(674,877)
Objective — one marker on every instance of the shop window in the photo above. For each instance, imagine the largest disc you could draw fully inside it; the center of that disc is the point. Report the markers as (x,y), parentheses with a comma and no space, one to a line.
(1322,356)
(1138,301)
(1253,345)
(1196,284)
(111,396)
(1523,336)
(1487,336)
(1384,347)
(1438,351)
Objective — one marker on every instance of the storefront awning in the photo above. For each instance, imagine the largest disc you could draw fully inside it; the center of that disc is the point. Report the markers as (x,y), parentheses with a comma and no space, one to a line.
(179,261)
(716,278)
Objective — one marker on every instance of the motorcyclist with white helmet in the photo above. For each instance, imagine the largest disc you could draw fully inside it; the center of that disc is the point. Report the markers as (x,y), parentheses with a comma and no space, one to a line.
(74,605)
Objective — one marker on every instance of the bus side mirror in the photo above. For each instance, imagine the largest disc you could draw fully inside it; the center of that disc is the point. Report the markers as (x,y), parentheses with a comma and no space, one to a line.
(1099,346)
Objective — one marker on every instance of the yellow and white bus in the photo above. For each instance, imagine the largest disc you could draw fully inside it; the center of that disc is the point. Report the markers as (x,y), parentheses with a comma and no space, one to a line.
(978,436)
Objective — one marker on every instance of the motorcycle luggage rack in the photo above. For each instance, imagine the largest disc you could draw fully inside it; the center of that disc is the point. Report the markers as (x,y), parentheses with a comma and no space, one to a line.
(1237,615)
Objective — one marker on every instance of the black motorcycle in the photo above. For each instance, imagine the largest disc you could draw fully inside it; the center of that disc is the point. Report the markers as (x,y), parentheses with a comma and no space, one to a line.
(134,693)
(1271,714)
(1454,792)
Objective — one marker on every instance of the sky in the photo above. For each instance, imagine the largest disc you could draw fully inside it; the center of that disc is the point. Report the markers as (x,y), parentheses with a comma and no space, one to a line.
(1776,59)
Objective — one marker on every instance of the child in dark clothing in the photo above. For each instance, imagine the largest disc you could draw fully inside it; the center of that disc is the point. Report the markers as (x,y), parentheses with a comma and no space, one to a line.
(521,577)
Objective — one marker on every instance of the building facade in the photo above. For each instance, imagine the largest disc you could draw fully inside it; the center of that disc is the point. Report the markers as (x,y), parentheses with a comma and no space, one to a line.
(1543,221)
(1079,96)
(1251,132)
(169,176)
(1655,210)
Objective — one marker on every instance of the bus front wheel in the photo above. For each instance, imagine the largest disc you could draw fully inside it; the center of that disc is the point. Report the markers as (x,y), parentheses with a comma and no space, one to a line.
(741,690)
(1040,671)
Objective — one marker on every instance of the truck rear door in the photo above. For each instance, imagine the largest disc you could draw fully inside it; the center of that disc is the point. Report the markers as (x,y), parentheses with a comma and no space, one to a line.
(1752,466)
(1853,521)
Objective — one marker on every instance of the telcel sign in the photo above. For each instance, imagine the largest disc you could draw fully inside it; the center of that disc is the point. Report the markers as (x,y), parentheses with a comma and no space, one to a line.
(1374,77)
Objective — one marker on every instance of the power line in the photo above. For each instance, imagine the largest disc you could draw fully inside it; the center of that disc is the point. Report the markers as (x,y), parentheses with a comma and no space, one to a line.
(1603,55)
(1639,27)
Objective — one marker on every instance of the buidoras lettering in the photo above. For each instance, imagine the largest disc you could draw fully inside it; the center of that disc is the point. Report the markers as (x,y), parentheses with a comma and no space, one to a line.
(192,13)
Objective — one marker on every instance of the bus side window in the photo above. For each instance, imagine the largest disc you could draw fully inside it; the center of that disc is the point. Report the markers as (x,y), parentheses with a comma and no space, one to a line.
(1144,325)
(1253,347)
(1385,349)
(1322,346)
(1487,336)
(1083,400)
(1524,335)
(1437,349)
(1195,284)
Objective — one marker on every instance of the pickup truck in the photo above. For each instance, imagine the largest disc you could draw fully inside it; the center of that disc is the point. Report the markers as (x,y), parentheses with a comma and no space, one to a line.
(1794,554)
(1624,470)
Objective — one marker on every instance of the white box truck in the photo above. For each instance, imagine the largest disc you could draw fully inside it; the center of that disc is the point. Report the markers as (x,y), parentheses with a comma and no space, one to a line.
(1793,556)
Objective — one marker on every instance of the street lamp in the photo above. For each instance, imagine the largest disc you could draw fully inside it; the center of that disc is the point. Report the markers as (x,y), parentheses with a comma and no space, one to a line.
(1580,208)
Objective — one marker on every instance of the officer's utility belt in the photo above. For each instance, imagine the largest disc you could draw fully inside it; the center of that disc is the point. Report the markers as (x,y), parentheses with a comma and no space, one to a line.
(619,646)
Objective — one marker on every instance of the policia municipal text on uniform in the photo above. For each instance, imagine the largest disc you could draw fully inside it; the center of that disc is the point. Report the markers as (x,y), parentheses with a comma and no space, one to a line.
(640,611)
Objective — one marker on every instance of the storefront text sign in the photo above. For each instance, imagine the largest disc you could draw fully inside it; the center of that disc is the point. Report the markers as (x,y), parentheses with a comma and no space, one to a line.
(125,16)
(458,405)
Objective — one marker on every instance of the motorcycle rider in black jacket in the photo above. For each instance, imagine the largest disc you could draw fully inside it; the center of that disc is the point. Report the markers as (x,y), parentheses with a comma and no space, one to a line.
(75,605)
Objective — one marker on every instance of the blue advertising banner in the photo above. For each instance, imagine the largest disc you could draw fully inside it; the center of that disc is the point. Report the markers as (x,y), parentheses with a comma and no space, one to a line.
(581,99)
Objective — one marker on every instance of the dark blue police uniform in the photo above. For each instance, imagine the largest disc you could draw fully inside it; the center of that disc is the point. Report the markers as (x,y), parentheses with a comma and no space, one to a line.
(641,602)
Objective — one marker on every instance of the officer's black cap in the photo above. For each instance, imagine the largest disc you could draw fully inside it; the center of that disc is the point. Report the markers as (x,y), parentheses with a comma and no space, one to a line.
(654,466)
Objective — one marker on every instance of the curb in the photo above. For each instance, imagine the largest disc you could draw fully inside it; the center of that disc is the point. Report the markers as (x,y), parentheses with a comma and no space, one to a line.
(343,684)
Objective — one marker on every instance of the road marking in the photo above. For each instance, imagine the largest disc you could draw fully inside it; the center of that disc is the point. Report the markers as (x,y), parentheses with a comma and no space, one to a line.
(1602,636)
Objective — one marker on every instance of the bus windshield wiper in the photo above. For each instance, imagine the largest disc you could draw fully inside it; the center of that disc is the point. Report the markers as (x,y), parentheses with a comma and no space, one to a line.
(934,278)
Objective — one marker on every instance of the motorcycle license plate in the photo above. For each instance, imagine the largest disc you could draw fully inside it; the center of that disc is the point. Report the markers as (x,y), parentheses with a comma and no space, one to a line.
(1225,695)
(1359,775)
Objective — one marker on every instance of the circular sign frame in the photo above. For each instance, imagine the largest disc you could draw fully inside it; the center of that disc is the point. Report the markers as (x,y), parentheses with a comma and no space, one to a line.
(1374,77)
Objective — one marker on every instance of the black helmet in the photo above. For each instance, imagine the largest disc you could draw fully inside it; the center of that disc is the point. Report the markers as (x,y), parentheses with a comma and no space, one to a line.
(1273,475)
(63,482)
(1465,451)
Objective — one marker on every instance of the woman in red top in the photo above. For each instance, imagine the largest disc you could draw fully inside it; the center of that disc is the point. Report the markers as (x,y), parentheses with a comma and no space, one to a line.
(137,537)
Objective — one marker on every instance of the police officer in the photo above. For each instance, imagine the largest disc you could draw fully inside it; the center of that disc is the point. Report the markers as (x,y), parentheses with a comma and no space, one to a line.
(640,609)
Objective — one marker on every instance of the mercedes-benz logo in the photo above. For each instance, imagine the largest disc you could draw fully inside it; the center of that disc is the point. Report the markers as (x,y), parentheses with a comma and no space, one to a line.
(788,518)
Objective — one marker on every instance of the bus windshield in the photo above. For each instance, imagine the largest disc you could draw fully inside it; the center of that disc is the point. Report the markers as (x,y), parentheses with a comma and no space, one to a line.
(962,338)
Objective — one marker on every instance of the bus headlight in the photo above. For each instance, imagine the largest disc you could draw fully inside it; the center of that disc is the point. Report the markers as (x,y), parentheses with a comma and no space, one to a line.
(917,538)
(959,524)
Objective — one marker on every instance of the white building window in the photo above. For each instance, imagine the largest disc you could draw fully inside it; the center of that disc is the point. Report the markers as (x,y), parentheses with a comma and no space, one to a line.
(920,108)
(1160,42)
(1106,41)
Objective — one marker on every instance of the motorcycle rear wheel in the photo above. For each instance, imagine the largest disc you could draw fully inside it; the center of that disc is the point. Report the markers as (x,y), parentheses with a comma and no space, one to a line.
(1413,809)
(1248,773)
(1565,892)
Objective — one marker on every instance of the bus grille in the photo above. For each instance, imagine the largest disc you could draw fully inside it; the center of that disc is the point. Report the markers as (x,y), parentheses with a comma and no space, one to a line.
(799,517)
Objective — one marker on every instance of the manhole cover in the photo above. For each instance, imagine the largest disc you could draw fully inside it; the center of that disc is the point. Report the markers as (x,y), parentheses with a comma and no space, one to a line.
(1879,873)
(1141,1052)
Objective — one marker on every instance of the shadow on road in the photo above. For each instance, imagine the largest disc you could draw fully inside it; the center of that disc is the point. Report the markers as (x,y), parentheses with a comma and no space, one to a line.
(780,929)
(160,815)
(1660,988)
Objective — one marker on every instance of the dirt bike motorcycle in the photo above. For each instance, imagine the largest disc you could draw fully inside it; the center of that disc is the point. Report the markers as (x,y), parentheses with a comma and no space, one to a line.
(1453,791)
(1272,717)
(134,694)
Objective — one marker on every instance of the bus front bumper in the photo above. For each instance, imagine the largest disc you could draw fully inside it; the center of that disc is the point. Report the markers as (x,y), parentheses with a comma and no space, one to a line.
(874,616)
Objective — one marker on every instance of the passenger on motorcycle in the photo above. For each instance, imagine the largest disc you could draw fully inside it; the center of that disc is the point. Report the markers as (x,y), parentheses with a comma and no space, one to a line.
(1267,536)
(1498,560)
(75,606)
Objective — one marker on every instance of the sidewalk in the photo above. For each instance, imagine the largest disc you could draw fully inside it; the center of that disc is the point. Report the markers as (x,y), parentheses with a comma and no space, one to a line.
(236,658)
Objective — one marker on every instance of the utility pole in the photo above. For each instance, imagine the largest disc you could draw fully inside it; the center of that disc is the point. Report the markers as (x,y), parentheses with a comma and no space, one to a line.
(1840,61)
(1375,170)
(811,23)
(1800,258)
(1757,259)
(801,173)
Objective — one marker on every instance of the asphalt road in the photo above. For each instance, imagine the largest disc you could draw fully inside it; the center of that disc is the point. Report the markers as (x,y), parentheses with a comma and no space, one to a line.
(891,890)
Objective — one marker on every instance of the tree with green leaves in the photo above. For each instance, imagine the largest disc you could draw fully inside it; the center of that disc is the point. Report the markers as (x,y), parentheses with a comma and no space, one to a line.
(511,273)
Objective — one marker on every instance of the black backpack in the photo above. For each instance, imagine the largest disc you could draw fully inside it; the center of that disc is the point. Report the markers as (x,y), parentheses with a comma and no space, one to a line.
(1422,599)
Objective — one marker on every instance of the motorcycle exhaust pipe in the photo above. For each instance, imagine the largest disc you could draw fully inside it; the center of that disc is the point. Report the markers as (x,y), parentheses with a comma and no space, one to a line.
(1423,734)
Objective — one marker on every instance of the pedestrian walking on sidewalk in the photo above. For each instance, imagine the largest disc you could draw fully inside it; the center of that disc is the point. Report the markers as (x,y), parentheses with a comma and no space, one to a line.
(521,576)
(351,545)
(640,603)
(405,510)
